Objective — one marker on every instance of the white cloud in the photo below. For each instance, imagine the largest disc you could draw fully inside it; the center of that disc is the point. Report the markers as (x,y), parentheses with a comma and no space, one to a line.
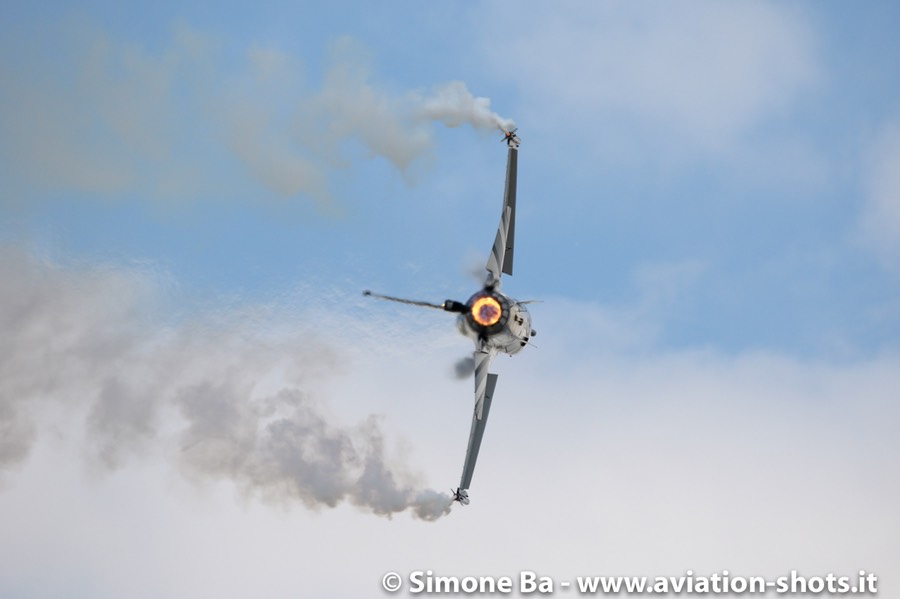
(658,77)
(596,461)
(881,211)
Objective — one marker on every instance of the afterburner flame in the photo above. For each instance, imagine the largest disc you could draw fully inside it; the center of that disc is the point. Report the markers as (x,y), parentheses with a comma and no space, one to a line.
(486,311)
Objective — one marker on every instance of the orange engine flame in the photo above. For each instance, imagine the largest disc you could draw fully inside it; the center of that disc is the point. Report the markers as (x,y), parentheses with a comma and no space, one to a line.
(486,311)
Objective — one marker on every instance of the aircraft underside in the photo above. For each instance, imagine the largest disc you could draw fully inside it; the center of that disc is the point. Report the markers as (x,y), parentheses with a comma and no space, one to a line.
(496,322)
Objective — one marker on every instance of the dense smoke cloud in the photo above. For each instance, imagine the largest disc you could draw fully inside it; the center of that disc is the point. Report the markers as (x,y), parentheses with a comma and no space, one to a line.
(242,401)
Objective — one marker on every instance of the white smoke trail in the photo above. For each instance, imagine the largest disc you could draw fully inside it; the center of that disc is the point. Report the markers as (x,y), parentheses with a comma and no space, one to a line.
(96,119)
(453,105)
(85,341)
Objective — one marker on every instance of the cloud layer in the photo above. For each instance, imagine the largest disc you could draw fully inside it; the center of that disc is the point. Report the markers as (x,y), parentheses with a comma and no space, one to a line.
(694,77)
(662,460)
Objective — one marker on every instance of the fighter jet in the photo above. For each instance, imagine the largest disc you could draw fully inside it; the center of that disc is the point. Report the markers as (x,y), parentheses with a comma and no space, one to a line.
(495,322)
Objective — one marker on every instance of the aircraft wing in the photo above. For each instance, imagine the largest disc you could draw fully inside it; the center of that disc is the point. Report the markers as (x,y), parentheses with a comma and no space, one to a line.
(501,258)
(484,393)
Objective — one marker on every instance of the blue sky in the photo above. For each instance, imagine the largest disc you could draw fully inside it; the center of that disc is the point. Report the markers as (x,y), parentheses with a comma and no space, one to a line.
(708,198)
(750,170)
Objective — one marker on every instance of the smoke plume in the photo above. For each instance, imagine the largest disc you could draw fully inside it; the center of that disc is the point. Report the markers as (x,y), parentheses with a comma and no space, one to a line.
(464,367)
(230,398)
(110,118)
(453,105)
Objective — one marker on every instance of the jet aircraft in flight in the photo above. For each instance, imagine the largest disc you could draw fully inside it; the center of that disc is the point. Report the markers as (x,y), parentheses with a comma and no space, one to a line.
(496,322)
